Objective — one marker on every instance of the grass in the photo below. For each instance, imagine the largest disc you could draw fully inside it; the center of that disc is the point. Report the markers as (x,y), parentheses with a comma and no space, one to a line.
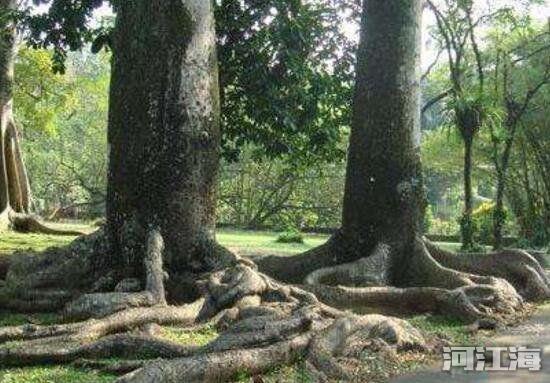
(255,242)
(448,328)
(11,241)
(53,374)
(243,242)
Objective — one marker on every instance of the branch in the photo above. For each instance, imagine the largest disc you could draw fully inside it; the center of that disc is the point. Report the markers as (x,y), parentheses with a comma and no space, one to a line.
(431,66)
(435,100)
(475,47)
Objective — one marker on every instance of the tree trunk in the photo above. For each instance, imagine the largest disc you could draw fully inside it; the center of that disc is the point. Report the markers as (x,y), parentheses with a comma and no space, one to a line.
(384,200)
(14,183)
(163,133)
(499,213)
(466,223)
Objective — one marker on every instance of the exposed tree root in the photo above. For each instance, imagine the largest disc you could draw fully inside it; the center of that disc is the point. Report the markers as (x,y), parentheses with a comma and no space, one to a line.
(114,368)
(102,304)
(71,268)
(518,267)
(28,223)
(221,367)
(118,322)
(263,322)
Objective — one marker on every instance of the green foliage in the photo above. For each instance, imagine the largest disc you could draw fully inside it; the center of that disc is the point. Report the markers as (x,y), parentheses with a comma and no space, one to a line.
(469,229)
(286,69)
(290,236)
(483,217)
(286,77)
(428,219)
(275,194)
(63,120)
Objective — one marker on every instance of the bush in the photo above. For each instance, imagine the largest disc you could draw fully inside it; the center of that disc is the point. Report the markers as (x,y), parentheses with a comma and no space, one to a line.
(290,236)
(441,227)
(483,220)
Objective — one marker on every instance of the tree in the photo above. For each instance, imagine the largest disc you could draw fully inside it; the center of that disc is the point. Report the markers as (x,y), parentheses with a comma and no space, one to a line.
(457,32)
(380,238)
(14,183)
(517,81)
(164,111)
(15,192)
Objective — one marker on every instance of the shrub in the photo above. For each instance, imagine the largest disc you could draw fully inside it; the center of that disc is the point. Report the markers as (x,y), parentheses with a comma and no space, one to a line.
(290,236)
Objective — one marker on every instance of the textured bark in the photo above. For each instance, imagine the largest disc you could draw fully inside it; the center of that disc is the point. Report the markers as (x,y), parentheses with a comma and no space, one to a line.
(14,183)
(383,199)
(466,223)
(380,239)
(15,191)
(384,196)
(164,139)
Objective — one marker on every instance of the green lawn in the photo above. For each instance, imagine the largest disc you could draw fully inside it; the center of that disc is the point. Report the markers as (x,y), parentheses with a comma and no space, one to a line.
(243,242)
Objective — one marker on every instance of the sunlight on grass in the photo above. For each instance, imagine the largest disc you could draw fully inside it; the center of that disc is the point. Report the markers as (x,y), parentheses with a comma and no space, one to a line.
(53,374)
(258,242)
(199,337)
(444,327)
(12,241)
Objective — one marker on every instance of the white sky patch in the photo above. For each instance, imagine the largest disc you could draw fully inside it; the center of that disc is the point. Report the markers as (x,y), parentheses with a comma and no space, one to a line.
(539,12)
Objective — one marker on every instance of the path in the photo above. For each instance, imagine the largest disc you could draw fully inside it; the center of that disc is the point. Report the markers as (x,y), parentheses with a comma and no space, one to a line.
(535,332)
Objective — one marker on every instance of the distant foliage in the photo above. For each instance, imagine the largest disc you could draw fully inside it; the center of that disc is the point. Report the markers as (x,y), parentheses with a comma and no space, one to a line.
(290,236)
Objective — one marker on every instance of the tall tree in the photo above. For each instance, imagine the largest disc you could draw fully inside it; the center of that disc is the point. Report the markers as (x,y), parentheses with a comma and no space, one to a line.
(173,128)
(15,191)
(380,238)
(457,30)
(14,183)
(521,70)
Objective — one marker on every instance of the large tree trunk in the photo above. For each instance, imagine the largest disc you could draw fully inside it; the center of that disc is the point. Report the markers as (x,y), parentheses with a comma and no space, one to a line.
(163,133)
(14,183)
(384,199)
(380,241)
(384,195)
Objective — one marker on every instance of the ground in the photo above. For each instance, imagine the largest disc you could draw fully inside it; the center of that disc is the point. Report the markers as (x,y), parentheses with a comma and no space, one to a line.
(535,333)
(246,243)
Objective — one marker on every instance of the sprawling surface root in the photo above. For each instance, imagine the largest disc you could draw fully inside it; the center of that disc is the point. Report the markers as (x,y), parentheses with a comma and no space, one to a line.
(29,223)
(518,267)
(102,304)
(262,322)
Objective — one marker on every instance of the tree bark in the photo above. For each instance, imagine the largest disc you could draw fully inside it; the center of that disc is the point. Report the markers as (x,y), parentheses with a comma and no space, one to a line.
(384,196)
(499,213)
(163,133)
(14,182)
(466,223)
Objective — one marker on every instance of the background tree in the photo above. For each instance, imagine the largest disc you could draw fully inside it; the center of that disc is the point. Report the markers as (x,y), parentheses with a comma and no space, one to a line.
(380,242)
(14,184)
(457,34)
(522,70)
